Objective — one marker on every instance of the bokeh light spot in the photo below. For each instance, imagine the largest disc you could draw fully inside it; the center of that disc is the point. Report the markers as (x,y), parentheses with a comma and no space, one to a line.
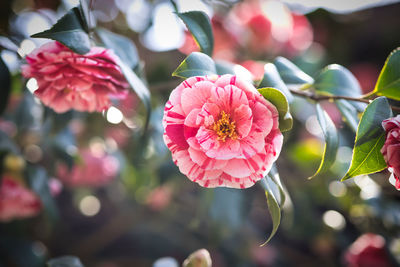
(89,205)
(334,219)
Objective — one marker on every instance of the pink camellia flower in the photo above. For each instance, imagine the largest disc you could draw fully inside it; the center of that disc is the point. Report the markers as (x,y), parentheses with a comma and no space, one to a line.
(67,80)
(221,131)
(302,35)
(367,251)
(17,201)
(391,148)
(93,170)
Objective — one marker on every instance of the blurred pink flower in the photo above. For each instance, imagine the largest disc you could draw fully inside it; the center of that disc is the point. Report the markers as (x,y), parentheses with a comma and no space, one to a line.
(159,198)
(255,67)
(17,201)
(302,35)
(67,80)
(257,35)
(367,251)
(221,131)
(391,148)
(93,169)
(268,27)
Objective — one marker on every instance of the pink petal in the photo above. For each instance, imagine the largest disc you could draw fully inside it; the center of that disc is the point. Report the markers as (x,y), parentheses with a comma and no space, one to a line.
(196,96)
(252,144)
(228,98)
(263,121)
(209,113)
(225,150)
(200,158)
(176,134)
(243,118)
(238,168)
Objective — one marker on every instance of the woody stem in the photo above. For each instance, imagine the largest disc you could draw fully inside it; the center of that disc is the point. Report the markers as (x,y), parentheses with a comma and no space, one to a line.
(316,97)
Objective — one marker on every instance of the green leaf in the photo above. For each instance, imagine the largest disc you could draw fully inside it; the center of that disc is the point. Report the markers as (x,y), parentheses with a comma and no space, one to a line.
(70,31)
(367,157)
(349,113)
(278,99)
(331,141)
(388,83)
(196,64)
(337,80)
(290,73)
(65,261)
(199,25)
(273,207)
(84,10)
(5,81)
(274,175)
(272,78)
(122,46)
(138,86)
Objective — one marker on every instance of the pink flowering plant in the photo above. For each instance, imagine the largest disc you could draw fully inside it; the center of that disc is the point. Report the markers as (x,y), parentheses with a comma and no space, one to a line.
(237,118)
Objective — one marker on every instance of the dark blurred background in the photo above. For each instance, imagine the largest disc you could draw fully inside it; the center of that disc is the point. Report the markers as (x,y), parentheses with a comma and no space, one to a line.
(151,211)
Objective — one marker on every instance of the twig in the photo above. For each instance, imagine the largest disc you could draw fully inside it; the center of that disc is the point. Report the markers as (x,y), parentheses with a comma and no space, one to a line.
(316,97)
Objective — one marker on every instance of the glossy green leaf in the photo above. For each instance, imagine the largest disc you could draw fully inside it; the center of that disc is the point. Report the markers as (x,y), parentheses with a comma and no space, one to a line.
(337,80)
(331,141)
(65,261)
(85,15)
(273,207)
(70,31)
(199,25)
(122,46)
(278,99)
(274,175)
(388,83)
(290,73)
(349,113)
(367,157)
(5,81)
(196,64)
(272,78)
(138,86)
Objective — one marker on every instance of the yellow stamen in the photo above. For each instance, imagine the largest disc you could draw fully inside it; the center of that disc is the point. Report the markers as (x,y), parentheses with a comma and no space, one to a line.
(225,128)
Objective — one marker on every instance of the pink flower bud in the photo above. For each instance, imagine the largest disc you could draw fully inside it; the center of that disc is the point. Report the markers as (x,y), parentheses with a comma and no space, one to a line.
(199,258)
(391,148)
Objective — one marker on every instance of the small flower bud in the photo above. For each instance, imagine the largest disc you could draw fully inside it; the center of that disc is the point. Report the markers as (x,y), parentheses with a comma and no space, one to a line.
(199,258)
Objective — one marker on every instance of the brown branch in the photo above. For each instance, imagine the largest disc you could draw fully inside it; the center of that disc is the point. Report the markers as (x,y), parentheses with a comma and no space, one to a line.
(316,97)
